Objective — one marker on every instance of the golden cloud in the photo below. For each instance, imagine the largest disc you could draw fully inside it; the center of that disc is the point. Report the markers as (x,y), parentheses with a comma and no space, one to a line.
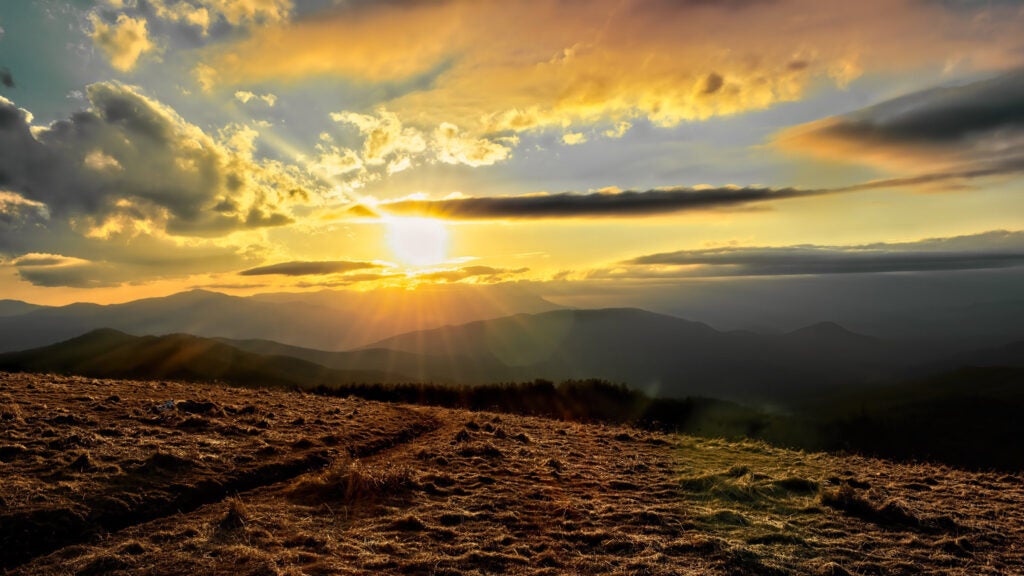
(202,13)
(512,66)
(124,41)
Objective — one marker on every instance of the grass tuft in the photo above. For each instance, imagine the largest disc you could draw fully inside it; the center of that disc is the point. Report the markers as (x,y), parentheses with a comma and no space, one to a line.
(236,517)
(354,483)
(889,513)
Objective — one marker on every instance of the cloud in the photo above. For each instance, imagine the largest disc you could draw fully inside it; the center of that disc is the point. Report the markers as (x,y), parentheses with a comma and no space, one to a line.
(52,270)
(84,188)
(310,268)
(384,136)
(454,147)
(204,14)
(979,122)
(479,274)
(618,131)
(6,78)
(574,138)
(490,67)
(18,210)
(989,250)
(333,161)
(100,263)
(244,96)
(124,41)
(613,203)
(609,204)
(97,168)
(389,143)
(238,12)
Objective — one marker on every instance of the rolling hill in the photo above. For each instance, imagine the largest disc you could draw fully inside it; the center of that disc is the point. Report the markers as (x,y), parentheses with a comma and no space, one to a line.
(107,353)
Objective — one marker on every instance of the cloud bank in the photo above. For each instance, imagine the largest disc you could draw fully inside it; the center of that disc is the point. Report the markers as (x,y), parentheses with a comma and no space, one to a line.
(989,250)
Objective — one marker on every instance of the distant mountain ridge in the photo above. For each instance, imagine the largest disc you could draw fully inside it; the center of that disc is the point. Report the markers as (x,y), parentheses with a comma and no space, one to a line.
(16,307)
(660,354)
(330,320)
(108,353)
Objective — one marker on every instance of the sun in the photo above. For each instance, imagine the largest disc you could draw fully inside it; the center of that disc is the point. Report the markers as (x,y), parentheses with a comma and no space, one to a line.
(418,241)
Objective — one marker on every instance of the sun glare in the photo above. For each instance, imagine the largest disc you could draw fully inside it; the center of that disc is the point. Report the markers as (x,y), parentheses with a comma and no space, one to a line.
(418,241)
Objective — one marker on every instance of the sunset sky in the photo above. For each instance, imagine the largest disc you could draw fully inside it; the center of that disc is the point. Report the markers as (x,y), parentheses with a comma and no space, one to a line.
(152,146)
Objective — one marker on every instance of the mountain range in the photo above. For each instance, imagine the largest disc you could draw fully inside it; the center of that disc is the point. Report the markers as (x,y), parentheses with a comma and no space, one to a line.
(661,355)
(457,335)
(330,320)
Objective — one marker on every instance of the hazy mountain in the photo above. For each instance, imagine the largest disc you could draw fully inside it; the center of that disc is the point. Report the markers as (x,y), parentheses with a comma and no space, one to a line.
(331,320)
(448,368)
(15,307)
(107,353)
(397,310)
(1011,354)
(660,354)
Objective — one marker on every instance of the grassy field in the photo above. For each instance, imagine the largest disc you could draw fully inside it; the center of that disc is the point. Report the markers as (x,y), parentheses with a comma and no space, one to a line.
(122,477)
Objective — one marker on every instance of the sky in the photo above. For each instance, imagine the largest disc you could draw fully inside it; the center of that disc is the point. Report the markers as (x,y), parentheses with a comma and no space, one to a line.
(578,147)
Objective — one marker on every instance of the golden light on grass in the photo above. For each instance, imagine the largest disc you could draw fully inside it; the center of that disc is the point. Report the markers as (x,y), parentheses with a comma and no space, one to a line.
(417,241)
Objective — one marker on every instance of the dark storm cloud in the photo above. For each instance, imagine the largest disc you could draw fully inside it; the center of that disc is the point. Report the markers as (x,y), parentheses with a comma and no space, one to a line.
(309,268)
(991,250)
(610,204)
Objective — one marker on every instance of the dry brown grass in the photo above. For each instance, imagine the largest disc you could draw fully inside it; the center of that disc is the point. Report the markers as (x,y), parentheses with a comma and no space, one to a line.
(352,483)
(472,497)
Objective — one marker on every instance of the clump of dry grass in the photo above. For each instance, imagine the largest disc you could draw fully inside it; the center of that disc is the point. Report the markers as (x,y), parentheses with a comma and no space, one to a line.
(236,517)
(83,463)
(892,512)
(9,411)
(353,483)
(482,449)
(408,523)
(248,560)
